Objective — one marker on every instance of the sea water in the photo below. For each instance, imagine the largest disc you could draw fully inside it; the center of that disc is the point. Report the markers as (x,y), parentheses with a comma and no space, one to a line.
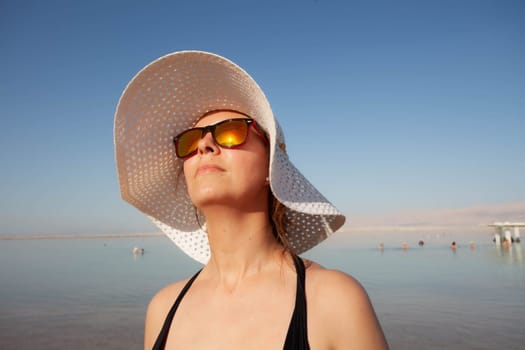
(93,293)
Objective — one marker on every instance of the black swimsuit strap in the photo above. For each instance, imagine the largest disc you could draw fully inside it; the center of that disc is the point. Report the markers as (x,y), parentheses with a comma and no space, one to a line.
(297,337)
(163,335)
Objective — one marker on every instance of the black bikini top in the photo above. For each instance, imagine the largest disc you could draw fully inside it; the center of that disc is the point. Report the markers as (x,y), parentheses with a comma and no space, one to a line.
(297,336)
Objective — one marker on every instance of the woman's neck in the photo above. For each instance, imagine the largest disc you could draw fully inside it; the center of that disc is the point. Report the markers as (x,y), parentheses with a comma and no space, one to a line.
(241,243)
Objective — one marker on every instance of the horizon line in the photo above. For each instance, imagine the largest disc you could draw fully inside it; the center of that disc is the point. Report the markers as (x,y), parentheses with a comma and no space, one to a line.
(80,236)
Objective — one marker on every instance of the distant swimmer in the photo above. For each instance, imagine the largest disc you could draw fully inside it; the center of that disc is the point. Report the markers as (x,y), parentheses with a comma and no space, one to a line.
(472,245)
(421,243)
(381,246)
(453,245)
(404,246)
(135,251)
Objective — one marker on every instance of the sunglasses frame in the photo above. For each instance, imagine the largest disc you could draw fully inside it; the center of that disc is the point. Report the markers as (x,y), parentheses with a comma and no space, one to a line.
(211,129)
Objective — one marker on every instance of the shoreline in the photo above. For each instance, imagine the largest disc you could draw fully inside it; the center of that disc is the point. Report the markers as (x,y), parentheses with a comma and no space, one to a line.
(80,236)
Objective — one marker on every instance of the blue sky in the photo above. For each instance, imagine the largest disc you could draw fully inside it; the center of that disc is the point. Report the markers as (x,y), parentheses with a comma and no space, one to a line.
(386,105)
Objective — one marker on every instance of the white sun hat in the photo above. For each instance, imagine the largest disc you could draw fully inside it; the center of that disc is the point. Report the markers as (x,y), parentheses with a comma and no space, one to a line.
(169,96)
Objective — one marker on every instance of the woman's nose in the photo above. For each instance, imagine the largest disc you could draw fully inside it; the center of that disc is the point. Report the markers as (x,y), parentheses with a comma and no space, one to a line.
(207,144)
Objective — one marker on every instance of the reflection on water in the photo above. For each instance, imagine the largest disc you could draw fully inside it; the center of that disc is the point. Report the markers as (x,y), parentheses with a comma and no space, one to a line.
(512,254)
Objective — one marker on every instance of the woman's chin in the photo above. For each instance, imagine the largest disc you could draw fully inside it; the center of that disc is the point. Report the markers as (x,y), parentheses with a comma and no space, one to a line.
(211,198)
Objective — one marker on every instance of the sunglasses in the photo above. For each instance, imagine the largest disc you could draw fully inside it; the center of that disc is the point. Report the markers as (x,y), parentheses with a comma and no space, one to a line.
(229,133)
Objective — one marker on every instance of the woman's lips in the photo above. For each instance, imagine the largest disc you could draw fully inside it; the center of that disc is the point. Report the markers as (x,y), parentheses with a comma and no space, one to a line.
(207,169)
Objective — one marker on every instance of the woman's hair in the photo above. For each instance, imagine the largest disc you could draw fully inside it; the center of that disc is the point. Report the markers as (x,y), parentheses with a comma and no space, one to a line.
(279,220)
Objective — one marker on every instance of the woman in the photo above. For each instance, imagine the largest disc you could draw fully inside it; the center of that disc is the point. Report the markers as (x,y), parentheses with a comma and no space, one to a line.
(199,151)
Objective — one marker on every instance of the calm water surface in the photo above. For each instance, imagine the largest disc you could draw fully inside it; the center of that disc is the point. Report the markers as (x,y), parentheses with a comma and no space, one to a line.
(87,293)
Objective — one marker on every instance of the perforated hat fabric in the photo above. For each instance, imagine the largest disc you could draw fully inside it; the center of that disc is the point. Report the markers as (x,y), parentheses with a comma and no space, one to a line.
(169,96)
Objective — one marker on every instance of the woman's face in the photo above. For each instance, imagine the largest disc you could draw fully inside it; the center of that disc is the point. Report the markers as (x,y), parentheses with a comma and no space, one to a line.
(233,177)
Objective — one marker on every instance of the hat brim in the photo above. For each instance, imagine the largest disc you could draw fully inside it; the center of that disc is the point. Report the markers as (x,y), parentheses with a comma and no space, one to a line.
(169,96)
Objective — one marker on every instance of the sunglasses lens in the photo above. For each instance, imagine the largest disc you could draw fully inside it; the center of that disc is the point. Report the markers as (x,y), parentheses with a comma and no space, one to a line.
(187,142)
(231,133)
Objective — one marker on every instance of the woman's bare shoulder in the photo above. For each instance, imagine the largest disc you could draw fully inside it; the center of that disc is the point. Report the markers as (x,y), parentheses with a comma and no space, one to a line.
(158,309)
(167,294)
(332,283)
(342,309)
